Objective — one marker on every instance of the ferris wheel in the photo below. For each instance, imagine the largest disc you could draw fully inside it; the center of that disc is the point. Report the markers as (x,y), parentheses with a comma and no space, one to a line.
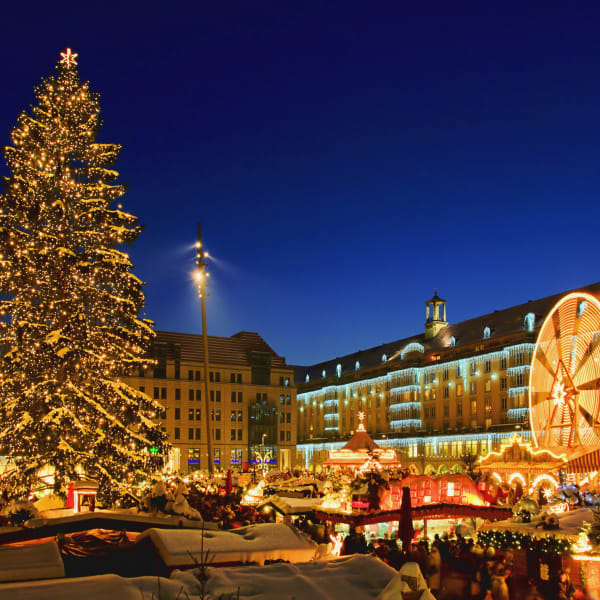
(564,381)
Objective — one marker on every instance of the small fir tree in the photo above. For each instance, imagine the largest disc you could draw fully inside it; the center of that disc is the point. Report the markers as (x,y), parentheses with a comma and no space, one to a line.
(69,305)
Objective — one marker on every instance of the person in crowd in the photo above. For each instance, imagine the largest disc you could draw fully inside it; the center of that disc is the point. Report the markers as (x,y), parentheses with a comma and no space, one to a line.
(433,570)
(565,590)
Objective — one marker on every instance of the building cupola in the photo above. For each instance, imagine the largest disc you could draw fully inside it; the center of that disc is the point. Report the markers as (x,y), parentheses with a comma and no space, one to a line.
(435,316)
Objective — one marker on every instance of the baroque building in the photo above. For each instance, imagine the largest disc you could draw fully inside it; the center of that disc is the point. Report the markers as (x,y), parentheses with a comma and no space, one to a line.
(252,400)
(452,390)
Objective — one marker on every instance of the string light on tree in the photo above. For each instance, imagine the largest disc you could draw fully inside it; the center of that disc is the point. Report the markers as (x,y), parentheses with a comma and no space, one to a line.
(70,303)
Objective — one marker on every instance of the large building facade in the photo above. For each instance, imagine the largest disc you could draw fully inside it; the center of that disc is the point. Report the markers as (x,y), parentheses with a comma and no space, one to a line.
(433,397)
(252,400)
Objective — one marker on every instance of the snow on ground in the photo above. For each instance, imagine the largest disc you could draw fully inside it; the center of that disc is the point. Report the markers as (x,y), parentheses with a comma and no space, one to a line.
(36,561)
(255,543)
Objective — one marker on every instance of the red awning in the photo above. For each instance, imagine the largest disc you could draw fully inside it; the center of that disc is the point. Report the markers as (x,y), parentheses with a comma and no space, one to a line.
(432,511)
(586,463)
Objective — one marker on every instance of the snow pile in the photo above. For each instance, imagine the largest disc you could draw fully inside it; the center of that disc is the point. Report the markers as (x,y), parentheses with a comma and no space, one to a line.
(357,576)
(255,543)
(407,583)
(37,561)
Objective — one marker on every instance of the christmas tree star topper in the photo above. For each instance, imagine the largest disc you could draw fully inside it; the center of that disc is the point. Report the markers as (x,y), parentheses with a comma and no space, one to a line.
(68,58)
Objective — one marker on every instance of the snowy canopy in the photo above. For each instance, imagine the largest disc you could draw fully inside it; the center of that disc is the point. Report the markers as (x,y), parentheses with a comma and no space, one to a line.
(355,576)
(255,543)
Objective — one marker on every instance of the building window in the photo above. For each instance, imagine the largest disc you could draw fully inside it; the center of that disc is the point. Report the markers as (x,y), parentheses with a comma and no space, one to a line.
(191,395)
(426,412)
(233,415)
(282,417)
(446,410)
(190,433)
(288,400)
(177,433)
(190,374)
(217,434)
(198,414)
(211,376)
(488,365)
(198,395)
(218,414)
(142,389)
(503,383)
(488,423)
(288,417)
(487,386)
(177,394)
(156,393)
(446,392)
(239,435)
(232,378)
(191,414)
(212,395)
(197,433)
(281,400)
(504,403)
(486,333)
(473,407)
(288,436)
(473,387)
(232,435)
(232,396)
(177,413)
(503,363)
(520,379)
(530,319)
(282,436)
(445,374)
(197,375)
(218,395)
(238,378)
(240,397)
(452,341)
(473,368)
(239,416)
(458,371)
(432,412)
(459,410)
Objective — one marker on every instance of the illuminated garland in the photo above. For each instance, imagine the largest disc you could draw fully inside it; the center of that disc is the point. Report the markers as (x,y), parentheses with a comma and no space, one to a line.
(521,541)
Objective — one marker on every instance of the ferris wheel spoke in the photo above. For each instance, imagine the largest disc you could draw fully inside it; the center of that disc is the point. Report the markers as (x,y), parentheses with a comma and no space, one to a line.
(544,360)
(592,384)
(591,356)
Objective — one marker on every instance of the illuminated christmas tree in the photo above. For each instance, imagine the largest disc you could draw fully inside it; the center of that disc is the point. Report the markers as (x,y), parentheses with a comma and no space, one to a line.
(69,305)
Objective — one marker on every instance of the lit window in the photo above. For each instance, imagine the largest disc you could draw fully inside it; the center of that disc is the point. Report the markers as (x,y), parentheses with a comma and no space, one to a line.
(486,333)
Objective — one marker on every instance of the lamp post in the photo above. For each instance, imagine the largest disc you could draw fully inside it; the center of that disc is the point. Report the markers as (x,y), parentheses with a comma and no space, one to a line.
(201,277)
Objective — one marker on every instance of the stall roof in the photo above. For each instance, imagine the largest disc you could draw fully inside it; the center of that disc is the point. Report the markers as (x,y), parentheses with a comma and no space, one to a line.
(570,524)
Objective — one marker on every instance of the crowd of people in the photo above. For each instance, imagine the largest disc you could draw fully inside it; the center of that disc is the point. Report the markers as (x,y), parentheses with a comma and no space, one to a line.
(476,573)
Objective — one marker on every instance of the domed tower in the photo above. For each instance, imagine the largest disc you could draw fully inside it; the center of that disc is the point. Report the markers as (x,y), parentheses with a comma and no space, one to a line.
(435,316)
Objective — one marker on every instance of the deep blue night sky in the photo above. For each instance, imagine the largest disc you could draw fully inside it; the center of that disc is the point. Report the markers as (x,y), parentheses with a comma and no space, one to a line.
(344,159)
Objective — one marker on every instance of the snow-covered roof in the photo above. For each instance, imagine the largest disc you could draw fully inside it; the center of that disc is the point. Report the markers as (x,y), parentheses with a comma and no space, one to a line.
(35,561)
(355,576)
(570,523)
(255,543)
(292,506)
